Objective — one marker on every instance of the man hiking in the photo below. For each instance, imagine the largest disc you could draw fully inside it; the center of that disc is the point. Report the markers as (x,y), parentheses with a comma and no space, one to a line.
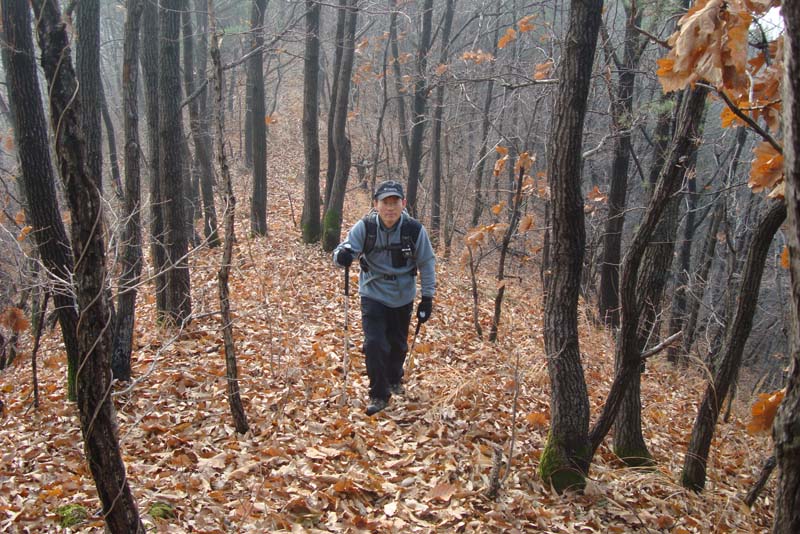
(392,248)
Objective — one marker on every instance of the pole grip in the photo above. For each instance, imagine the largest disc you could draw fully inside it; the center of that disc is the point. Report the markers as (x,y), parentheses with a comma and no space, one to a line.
(347,281)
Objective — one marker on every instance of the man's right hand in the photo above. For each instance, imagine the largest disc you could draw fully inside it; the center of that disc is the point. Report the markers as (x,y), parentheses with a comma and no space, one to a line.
(345,257)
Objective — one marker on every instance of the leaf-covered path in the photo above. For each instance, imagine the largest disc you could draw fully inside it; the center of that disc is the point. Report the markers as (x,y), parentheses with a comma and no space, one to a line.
(312,463)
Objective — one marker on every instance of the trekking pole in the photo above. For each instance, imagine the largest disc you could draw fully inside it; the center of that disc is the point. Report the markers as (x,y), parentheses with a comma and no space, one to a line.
(411,349)
(346,330)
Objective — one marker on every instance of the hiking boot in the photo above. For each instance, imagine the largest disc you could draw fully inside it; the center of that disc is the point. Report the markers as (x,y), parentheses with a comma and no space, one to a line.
(397,389)
(376,405)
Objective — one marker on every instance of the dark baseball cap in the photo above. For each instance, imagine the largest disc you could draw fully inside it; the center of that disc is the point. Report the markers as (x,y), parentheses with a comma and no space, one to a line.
(389,188)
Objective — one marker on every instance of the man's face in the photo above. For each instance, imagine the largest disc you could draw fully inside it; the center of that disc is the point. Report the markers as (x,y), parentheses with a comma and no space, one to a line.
(389,210)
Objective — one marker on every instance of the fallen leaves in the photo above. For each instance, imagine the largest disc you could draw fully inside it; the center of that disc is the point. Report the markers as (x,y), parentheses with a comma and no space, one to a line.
(310,464)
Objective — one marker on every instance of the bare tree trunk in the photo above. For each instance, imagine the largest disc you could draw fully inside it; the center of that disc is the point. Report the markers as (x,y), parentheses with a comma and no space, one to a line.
(113,159)
(255,77)
(786,431)
(565,459)
(38,176)
(178,290)
(97,415)
(622,119)
(483,153)
(402,122)
(736,333)
(231,371)
(436,141)
(512,227)
(149,61)
(420,105)
(131,258)
(198,122)
(330,173)
(332,222)
(310,224)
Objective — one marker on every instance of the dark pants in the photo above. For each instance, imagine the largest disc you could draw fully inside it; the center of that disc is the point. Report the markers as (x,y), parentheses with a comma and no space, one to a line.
(385,344)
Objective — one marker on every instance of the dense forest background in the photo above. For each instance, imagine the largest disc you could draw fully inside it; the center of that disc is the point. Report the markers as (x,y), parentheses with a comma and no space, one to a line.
(607,205)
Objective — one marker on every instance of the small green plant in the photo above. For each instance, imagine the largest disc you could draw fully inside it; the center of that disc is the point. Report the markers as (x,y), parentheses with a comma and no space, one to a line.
(71,515)
(162,510)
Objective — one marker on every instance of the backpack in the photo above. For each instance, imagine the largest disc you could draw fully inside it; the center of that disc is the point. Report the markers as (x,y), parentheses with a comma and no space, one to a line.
(409,232)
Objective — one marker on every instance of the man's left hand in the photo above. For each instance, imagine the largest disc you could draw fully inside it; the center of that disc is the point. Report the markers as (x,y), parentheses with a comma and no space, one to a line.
(424,309)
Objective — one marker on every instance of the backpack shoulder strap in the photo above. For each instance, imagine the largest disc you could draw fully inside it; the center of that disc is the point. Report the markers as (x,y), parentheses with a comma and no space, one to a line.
(409,233)
(371,225)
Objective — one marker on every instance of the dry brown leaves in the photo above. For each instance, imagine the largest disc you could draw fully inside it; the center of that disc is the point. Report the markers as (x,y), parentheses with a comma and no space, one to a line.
(313,464)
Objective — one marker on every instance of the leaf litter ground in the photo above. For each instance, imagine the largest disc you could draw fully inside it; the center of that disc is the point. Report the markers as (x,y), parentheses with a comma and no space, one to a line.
(313,462)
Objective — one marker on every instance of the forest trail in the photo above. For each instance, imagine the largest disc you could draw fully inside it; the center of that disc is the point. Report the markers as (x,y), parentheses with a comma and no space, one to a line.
(311,464)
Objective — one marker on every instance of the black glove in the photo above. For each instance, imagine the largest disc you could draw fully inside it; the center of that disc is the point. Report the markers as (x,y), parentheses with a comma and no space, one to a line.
(345,257)
(424,309)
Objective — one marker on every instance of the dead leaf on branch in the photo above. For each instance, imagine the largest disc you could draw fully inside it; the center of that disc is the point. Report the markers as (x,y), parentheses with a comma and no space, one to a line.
(767,168)
(764,410)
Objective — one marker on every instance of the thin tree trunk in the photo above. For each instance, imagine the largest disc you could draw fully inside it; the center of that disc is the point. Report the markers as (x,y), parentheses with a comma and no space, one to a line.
(198,122)
(786,430)
(436,142)
(178,290)
(622,119)
(330,173)
(113,159)
(310,219)
(566,456)
(131,257)
(97,415)
(255,77)
(38,176)
(736,334)
(332,223)
(512,227)
(149,61)
(402,122)
(419,110)
(231,371)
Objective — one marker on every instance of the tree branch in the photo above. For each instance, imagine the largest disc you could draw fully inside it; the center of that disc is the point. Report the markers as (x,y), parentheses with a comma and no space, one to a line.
(750,122)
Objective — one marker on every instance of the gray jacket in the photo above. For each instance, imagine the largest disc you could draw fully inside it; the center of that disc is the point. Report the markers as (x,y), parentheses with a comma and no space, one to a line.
(391,286)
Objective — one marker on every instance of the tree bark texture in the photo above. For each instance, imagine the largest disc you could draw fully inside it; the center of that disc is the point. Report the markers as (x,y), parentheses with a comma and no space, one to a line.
(627,354)
(310,219)
(736,333)
(97,415)
(332,223)
(786,430)
(149,61)
(629,444)
(419,108)
(178,290)
(131,257)
(330,172)
(38,176)
(87,59)
(565,460)
(255,77)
